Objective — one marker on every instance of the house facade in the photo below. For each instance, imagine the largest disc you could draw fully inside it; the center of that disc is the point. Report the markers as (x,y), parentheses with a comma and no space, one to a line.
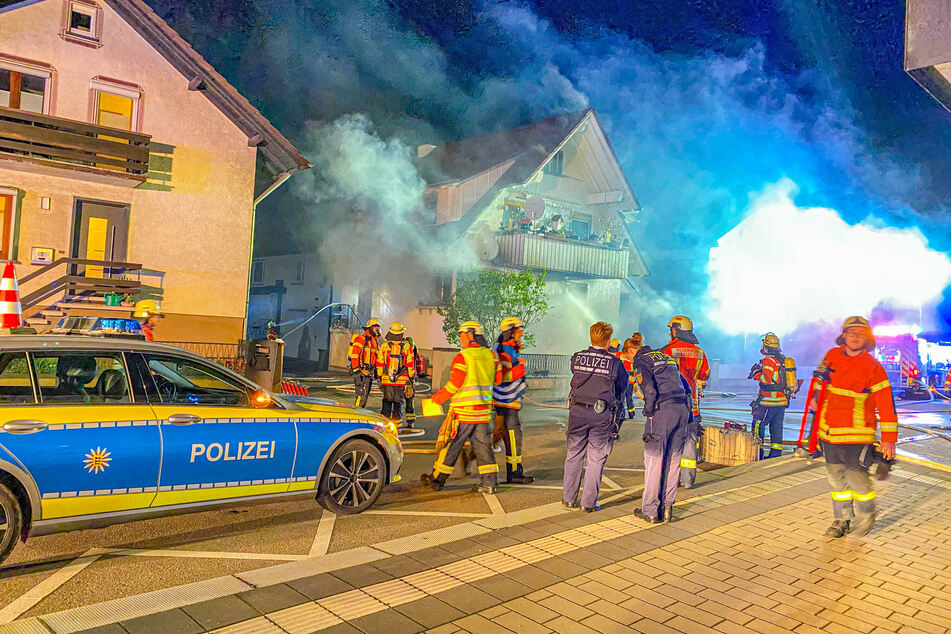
(928,46)
(122,148)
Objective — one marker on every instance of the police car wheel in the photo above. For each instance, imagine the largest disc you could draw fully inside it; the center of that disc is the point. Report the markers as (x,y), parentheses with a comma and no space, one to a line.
(11,521)
(354,478)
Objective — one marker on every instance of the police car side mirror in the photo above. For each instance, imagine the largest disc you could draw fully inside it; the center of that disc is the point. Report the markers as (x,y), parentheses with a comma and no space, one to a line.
(260,399)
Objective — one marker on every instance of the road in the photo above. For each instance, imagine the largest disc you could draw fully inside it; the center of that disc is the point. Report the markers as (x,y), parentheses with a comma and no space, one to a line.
(56,572)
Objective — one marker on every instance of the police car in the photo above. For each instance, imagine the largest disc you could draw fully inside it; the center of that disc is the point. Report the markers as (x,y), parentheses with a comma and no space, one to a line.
(97,430)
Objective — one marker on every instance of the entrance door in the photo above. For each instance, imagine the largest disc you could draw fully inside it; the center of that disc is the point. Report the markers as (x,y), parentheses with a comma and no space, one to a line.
(102,234)
(6,223)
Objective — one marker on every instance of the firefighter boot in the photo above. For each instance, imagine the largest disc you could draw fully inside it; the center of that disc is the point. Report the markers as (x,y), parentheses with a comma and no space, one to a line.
(515,476)
(838,528)
(427,480)
(863,524)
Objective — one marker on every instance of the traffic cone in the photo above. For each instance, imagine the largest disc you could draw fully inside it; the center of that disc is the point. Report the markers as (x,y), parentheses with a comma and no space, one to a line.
(10,312)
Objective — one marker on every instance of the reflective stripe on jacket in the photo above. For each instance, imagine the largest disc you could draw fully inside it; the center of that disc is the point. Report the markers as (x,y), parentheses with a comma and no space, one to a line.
(693,366)
(394,363)
(362,351)
(475,370)
(772,382)
(859,386)
(508,393)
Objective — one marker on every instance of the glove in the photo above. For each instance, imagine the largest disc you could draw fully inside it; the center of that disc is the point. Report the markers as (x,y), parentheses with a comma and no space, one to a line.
(757,367)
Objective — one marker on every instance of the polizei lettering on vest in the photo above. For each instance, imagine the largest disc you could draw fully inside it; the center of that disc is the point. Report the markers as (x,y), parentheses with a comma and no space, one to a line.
(593,363)
(255,450)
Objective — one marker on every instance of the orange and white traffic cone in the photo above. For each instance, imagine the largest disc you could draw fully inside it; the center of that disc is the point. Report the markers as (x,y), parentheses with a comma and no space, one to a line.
(10,312)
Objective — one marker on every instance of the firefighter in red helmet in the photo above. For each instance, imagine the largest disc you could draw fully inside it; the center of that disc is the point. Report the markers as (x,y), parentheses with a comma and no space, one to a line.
(685,350)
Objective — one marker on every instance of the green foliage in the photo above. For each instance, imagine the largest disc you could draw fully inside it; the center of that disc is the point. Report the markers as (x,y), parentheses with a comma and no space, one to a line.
(490,296)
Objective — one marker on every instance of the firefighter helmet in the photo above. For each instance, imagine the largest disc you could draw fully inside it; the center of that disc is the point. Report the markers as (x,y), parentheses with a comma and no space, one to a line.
(471,326)
(511,322)
(396,328)
(770,340)
(680,322)
(373,321)
(856,321)
(145,308)
(614,344)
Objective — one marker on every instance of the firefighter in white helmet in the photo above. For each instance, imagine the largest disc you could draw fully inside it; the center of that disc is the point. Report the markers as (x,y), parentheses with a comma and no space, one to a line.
(396,367)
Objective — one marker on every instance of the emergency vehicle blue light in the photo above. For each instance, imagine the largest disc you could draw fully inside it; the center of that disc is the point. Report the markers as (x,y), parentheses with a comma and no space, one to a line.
(119,325)
(194,398)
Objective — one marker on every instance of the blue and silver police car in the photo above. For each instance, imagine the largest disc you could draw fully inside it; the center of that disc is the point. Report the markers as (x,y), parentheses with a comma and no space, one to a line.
(97,430)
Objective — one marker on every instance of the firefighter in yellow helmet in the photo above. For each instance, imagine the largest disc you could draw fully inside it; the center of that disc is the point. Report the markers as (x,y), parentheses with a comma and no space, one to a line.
(475,370)
(362,359)
(507,397)
(147,313)
(769,408)
(396,367)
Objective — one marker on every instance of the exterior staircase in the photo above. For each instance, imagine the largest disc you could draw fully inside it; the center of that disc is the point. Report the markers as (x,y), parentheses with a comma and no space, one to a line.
(48,317)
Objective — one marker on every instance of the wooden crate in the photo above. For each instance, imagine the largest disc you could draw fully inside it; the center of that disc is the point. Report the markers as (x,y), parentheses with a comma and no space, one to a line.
(729,447)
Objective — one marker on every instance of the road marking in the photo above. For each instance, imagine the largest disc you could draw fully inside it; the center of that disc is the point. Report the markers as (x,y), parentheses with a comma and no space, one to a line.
(623,469)
(427,513)
(611,483)
(494,505)
(200,554)
(46,587)
(325,530)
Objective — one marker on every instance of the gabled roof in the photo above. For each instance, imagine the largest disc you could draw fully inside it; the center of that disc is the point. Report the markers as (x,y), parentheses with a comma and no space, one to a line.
(278,153)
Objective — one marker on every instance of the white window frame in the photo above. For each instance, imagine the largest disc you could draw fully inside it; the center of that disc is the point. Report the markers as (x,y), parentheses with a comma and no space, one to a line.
(36,71)
(300,271)
(100,85)
(95,23)
(14,212)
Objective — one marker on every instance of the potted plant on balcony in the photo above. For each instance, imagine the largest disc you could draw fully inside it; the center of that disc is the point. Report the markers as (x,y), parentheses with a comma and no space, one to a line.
(129,299)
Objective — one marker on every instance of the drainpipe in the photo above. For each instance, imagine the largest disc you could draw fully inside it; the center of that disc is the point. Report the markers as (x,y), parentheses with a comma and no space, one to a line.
(254,214)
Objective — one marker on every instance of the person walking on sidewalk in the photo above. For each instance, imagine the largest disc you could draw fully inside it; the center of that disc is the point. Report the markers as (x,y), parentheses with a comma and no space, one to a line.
(469,391)
(668,410)
(857,387)
(598,384)
(507,398)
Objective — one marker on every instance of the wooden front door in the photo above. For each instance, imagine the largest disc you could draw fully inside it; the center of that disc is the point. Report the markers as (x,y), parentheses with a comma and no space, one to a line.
(6,225)
(102,234)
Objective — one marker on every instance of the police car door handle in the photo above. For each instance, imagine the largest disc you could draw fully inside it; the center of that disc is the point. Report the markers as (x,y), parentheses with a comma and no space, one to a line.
(24,426)
(183,419)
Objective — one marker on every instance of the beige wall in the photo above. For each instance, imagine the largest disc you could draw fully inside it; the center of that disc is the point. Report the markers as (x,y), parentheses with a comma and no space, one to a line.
(196,226)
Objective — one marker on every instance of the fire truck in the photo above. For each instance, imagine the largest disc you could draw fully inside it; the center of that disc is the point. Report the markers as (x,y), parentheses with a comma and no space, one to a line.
(897,350)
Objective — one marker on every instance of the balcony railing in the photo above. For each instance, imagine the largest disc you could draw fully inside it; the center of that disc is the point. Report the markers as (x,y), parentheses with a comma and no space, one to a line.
(56,142)
(562,255)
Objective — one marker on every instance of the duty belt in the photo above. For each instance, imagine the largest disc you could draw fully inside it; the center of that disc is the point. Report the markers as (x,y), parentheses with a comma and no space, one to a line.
(598,406)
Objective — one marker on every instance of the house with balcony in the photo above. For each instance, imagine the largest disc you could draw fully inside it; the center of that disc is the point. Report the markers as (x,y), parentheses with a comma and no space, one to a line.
(128,165)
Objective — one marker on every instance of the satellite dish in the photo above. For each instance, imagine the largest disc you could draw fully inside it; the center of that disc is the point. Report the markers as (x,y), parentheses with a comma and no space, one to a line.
(485,244)
(534,207)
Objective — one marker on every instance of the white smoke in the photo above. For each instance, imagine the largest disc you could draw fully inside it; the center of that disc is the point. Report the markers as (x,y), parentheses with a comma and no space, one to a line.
(784,266)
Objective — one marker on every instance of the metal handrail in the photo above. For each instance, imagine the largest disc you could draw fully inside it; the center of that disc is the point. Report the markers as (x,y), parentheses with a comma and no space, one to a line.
(106,264)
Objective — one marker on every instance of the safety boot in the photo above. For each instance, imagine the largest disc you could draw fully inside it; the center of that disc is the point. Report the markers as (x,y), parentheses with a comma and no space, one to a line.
(863,524)
(669,513)
(428,481)
(515,476)
(838,528)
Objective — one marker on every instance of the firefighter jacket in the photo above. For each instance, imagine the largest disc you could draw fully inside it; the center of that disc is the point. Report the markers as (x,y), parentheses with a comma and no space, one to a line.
(693,366)
(632,384)
(661,380)
(858,387)
(362,353)
(771,375)
(395,364)
(475,370)
(947,381)
(508,393)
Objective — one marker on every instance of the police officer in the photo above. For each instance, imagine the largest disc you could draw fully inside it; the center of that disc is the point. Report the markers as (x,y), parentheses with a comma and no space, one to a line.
(667,408)
(362,356)
(598,384)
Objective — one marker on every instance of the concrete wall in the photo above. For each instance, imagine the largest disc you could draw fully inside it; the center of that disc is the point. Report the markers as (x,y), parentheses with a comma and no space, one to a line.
(192,223)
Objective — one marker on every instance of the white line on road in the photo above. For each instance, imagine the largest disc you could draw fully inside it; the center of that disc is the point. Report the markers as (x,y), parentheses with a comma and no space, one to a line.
(44,588)
(494,505)
(611,483)
(325,530)
(427,513)
(202,554)
(623,469)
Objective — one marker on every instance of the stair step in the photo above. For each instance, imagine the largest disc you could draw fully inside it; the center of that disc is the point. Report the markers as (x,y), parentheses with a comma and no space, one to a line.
(37,321)
(52,312)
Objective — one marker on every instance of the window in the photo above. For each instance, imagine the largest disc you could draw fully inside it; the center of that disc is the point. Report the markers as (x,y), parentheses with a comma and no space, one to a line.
(299,271)
(193,383)
(117,104)
(555,164)
(82,23)
(581,227)
(15,383)
(257,272)
(23,88)
(82,377)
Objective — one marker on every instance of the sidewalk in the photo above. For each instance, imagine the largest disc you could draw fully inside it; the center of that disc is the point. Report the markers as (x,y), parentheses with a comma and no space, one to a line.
(747,553)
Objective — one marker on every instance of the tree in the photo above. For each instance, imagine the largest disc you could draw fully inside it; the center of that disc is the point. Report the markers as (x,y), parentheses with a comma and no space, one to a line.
(490,296)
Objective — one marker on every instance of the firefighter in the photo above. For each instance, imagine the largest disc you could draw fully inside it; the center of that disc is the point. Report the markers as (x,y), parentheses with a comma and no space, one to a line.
(272,333)
(668,410)
(626,354)
(147,313)
(475,370)
(410,389)
(598,384)
(857,388)
(614,346)
(396,368)
(769,408)
(947,381)
(362,355)
(684,349)
(507,398)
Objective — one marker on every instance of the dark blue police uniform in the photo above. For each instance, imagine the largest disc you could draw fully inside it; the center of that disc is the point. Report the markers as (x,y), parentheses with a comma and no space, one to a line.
(668,410)
(598,383)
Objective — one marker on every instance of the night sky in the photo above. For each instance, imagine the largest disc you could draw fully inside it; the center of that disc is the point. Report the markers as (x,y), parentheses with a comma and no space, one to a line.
(705,102)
